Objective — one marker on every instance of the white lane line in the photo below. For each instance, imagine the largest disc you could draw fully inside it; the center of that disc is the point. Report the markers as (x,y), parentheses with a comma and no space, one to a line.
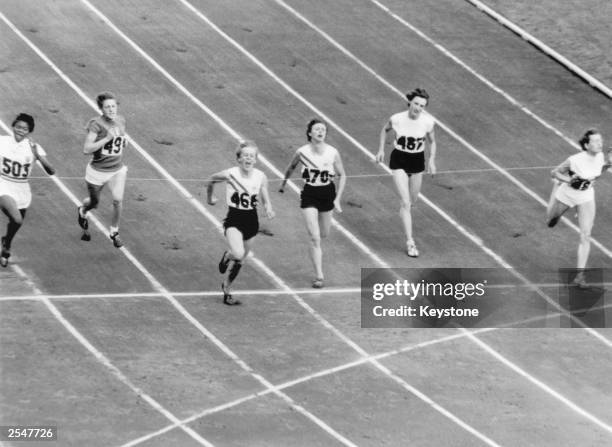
(575,69)
(303,379)
(275,292)
(481,155)
(313,312)
(100,357)
(202,293)
(157,285)
(539,383)
(265,292)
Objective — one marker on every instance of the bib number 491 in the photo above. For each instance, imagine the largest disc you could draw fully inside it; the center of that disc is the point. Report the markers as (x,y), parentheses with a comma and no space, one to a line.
(114,146)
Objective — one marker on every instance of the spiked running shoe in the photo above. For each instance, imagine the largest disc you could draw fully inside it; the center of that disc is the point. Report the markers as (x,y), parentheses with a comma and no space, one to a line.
(117,242)
(228,298)
(411,249)
(225,260)
(83,222)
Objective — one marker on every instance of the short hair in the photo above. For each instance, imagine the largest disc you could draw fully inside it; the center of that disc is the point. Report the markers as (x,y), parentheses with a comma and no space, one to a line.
(586,138)
(103,97)
(28,119)
(417,92)
(311,124)
(243,145)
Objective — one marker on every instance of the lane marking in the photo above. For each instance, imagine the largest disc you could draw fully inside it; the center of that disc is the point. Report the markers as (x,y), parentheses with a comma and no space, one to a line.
(300,380)
(202,293)
(265,292)
(575,69)
(594,419)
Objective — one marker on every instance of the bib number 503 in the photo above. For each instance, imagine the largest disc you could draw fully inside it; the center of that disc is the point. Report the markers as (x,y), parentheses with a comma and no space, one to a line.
(15,169)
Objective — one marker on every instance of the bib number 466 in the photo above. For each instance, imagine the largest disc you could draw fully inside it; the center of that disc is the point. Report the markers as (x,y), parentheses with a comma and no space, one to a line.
(244,200)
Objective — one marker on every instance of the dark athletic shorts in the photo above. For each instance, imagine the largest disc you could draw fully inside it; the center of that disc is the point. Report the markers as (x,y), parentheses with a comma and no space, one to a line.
(410,162)
(246,221)
(319,197)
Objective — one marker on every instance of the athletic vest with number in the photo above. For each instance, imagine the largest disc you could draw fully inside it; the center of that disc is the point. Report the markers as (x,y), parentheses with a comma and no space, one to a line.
(410,134)
(16,159)
(110,156)
(241,192)
(318,167)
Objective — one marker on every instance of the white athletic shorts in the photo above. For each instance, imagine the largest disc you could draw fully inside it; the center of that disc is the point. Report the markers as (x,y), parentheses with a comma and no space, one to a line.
(100,178)
(19,191)
(574,197)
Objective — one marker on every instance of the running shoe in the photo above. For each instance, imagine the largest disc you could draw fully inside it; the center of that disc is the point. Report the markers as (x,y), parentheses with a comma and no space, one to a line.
(317,283)
(117,242)
(228,298)
(411,249)
(83,222)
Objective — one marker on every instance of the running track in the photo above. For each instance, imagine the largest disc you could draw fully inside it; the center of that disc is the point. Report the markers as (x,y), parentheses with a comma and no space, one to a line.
(132,346)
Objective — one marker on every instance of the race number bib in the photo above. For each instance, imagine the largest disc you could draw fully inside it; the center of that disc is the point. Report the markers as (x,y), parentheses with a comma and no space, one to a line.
(14,169)
(115,146)
(244,201)
(410,144)
(315,176)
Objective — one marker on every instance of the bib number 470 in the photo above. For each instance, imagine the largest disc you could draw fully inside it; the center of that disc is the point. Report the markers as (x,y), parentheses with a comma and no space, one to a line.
(311,175)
